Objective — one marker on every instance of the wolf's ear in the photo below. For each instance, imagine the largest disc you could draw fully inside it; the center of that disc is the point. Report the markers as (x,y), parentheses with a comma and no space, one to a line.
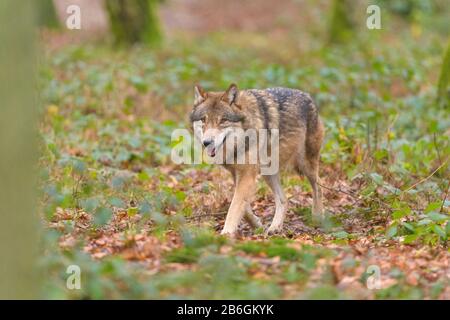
(199,95)
(231,95)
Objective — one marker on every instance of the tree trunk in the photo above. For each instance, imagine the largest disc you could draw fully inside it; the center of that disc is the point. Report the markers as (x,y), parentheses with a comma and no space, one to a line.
(47,14)
(134,21)
(18,132)
(341,25)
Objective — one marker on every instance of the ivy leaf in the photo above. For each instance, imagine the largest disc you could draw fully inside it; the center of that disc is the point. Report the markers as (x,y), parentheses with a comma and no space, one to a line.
(437,216)
(433,206)
(116,202)
(340,235)
(377,178)
(438,230)
(424,222)
(392,231)
(410,238)
(408,226)
(102,216)
(90,204)
(403,212)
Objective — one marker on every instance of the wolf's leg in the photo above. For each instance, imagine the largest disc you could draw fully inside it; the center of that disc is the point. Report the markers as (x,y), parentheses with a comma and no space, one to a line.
(309,165)
(251,218)
(280,203)
(243,193)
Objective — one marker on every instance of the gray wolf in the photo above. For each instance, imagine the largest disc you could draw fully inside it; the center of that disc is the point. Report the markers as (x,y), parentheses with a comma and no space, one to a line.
(300,130)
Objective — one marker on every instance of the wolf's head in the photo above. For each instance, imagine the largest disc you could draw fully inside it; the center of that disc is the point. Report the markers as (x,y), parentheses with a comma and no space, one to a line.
(215,116)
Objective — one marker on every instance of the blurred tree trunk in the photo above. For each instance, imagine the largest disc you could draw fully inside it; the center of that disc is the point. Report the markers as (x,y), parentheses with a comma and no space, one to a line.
(47,14)
(444,80)
(134,21)
(18,132)
(341,25)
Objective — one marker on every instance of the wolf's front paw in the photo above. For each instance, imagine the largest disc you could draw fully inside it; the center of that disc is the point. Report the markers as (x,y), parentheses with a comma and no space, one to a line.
(274,229)
(228,233)
(317,220)
(319,217)
(317,212)
(254,221)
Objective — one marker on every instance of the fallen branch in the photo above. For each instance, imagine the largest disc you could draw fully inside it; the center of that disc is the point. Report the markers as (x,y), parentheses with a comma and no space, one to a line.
(426,178)
(358,197)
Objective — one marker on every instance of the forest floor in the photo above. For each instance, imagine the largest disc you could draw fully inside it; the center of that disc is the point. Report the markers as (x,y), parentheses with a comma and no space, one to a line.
(140,226)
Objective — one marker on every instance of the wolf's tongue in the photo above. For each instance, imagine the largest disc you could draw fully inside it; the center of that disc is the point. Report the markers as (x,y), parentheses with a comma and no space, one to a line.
(211,151)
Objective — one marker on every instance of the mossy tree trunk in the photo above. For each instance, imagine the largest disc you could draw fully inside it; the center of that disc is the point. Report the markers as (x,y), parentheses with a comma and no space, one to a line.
(341,25)
(18,133)
(134,21)
(443,92)
(47,14)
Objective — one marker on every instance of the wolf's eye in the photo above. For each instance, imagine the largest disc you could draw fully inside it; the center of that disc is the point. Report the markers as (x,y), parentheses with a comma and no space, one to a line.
(198,123)
(223,120)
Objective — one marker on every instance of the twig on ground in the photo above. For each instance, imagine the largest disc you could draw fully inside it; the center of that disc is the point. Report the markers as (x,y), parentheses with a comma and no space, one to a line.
(426,178)
(344,192)
(358,197)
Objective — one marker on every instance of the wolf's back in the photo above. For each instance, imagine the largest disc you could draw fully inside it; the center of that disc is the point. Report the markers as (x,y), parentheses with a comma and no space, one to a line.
(286,109)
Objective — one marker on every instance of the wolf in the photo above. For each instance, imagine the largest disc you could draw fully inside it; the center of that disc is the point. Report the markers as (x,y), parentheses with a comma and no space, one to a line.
(289,112)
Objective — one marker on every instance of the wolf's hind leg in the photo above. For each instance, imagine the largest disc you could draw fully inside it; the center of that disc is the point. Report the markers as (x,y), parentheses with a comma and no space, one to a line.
(280,203)
(251,218)
(309,166)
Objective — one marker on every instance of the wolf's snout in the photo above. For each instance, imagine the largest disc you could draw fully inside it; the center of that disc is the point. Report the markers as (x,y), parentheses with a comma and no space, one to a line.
(207,142)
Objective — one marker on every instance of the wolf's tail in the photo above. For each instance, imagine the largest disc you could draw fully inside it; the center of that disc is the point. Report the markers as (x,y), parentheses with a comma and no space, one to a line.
(314,130)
